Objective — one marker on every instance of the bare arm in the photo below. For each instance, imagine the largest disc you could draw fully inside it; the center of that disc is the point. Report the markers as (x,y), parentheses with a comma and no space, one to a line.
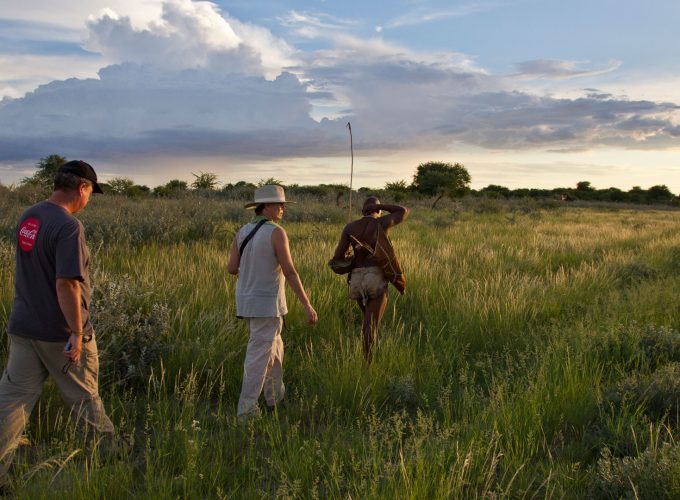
(343,245)
(68,296)
(234,262)
(397,215)
(282,251)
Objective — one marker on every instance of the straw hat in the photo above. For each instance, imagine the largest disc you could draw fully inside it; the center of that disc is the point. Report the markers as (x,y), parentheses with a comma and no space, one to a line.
(271,193)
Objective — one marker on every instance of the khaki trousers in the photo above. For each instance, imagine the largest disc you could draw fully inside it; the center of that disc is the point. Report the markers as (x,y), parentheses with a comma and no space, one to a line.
(263,368)
(28,365)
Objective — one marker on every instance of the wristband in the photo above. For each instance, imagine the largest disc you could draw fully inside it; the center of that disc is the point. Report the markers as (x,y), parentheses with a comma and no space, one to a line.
(79,333)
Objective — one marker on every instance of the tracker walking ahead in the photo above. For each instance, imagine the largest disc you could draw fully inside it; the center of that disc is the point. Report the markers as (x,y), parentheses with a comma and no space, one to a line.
(260,256)
(50,330)
(368,280)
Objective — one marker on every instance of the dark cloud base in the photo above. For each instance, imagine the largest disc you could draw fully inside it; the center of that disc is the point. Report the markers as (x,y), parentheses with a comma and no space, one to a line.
(265,144)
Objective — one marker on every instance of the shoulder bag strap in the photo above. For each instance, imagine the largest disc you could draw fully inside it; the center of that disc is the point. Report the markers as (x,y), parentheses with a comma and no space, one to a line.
(250,236)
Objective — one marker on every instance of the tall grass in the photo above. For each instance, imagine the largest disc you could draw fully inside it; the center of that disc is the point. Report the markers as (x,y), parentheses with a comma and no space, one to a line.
(519,363)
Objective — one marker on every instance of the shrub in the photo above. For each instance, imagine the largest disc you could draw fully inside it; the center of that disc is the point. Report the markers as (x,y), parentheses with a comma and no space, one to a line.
(131,336)
(657,394)
(653,474)
(672,264)
(29,194)
(639,347)
(488,206)
(402,393)
(660,345)
(636,272)
(622,431)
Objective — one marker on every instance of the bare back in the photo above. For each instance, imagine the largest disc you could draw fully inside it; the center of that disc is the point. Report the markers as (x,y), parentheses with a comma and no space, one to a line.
(365,231)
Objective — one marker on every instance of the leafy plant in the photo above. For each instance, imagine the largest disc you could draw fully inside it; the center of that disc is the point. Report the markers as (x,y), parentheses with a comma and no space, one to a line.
(654,474)
(657,394)
(131,335)
(636,272)
(205,180)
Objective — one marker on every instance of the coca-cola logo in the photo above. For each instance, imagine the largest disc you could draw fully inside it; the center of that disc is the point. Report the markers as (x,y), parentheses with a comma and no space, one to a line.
(28,232)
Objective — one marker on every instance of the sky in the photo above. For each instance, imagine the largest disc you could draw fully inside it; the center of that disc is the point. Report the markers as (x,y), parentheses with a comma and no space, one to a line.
(523,93)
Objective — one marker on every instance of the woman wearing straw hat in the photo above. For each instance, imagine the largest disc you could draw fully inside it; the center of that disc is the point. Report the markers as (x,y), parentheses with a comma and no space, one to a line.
(260,257)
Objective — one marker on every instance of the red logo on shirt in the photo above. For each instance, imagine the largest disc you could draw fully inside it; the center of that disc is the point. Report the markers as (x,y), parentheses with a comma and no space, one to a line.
(28,232)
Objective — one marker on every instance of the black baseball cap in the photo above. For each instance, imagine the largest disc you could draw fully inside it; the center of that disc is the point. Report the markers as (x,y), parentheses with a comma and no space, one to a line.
(82,169)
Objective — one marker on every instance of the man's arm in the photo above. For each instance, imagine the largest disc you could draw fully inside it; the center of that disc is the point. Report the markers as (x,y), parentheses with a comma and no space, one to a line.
(68,296)
(234,259)
(397,214)
(343,245)
(282,251)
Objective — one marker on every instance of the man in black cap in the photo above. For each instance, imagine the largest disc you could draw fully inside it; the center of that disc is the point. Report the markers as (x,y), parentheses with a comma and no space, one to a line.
(50,330)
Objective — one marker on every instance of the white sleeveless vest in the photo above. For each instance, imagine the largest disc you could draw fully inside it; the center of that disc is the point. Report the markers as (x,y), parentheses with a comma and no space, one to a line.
(260,289)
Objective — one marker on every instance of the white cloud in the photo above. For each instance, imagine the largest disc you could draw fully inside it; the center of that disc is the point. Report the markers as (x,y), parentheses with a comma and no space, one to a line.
(405,99)
(55,23)
(73,13)
(15,30)
(190,35)
(425,14)
(21,75)
(557,69)
(315,25)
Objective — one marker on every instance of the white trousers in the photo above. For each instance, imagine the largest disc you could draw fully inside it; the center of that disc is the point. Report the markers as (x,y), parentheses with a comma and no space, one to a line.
(263,368)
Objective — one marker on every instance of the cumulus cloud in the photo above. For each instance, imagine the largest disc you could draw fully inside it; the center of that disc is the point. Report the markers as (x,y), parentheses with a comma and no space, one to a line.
(71,13)
(134,108)
(189,35)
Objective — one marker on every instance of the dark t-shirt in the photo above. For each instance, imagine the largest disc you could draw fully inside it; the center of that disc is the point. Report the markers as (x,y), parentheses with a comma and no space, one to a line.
(50,245)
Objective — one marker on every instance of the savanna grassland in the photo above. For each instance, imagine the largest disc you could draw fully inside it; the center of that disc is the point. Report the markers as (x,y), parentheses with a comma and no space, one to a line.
(535,354)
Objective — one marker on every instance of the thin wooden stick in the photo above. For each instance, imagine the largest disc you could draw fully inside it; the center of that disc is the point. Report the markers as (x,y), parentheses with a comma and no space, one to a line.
(351,174)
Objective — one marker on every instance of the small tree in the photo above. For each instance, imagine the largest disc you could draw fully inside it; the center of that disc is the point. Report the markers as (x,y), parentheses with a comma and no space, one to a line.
(176,185)
(397,186)
(637,194)
(121,185)
(495,191)
(205,180)
(585,191)
(614,194)
(46,170)
(338,189)
(397,189)
(172,187)
(242,190)
(436,178)
(659,193)
(270,181)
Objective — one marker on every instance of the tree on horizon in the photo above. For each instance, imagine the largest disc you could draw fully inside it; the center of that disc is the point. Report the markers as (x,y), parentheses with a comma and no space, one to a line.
(46,169)
(205,180)
(437,178)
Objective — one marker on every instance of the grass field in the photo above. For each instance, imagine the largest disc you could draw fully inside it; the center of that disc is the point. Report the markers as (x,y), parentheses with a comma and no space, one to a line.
(535,354)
